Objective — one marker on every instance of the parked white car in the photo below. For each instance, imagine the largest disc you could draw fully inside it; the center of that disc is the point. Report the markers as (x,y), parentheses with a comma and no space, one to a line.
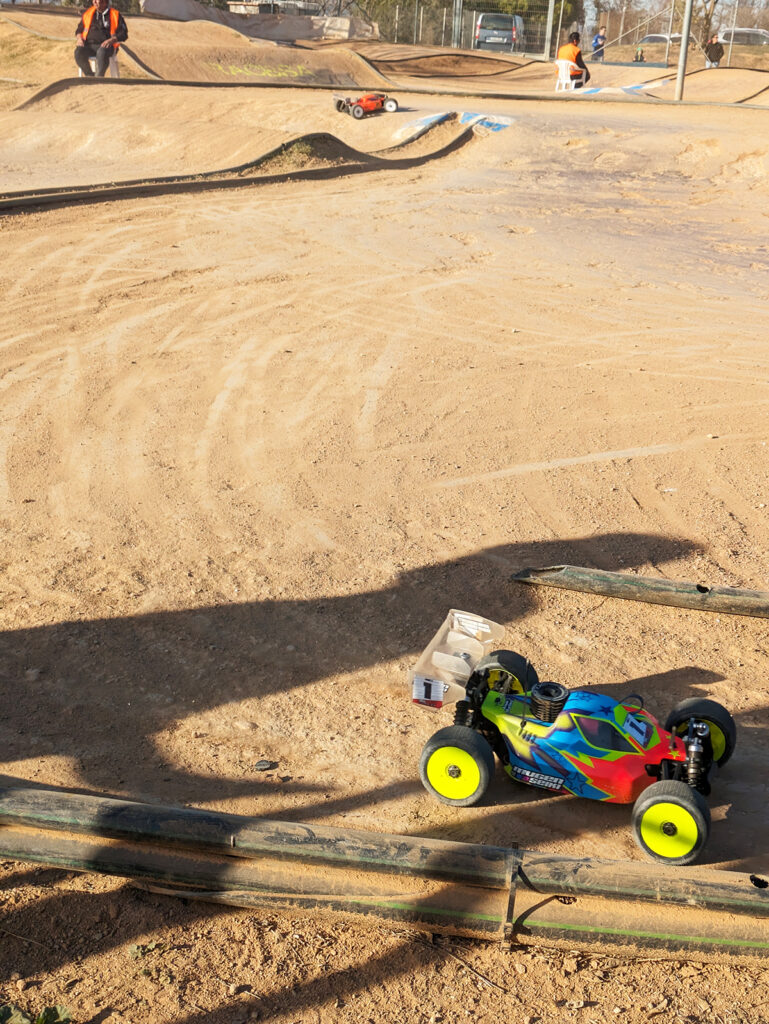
(745,37)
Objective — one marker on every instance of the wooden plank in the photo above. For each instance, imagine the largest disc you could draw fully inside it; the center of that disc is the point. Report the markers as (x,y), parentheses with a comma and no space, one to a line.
(652,590)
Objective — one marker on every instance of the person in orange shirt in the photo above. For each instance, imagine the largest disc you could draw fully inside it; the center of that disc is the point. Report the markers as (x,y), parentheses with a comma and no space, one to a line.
(99,33)
(571,51)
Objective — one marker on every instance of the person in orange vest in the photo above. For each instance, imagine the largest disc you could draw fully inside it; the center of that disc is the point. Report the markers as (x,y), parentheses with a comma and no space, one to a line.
(99,33)
(571,51)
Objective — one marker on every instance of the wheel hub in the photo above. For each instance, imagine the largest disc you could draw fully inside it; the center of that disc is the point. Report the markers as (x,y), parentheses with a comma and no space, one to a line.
(453,771)
(669,828)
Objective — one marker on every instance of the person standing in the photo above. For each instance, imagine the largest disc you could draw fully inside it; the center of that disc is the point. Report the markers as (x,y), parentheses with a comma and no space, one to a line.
(599,41)
(714,52)
(571,51)
(99,33)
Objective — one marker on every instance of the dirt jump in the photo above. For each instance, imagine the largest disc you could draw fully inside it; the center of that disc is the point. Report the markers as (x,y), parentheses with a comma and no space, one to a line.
(282,386)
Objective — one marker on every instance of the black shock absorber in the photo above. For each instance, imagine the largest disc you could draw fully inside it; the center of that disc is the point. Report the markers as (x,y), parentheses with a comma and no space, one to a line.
(462,713)
(696,766)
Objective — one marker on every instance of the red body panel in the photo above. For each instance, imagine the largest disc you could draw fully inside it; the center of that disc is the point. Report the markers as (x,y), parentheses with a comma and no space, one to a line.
(624,777)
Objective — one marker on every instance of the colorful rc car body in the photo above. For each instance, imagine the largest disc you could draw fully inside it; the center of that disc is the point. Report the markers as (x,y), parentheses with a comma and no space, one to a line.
(566,741)
(369,103)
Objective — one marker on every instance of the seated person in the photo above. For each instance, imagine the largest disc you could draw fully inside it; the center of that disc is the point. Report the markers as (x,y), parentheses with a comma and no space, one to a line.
(100,31)
(571,51)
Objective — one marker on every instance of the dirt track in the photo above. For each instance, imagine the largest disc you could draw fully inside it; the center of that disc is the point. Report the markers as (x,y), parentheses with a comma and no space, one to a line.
(256,443)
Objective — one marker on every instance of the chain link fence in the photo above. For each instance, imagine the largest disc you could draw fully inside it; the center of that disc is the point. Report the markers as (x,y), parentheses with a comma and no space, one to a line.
(656,29)
(541,26)
(493,26)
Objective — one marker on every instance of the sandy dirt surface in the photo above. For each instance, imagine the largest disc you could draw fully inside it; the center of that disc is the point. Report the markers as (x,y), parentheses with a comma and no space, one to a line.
(178,51)
(255,443)
(36,47)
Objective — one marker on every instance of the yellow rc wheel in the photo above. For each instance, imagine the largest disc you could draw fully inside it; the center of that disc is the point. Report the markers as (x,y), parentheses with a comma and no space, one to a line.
(456,766)
(671,822)
(723,731)
(507,672)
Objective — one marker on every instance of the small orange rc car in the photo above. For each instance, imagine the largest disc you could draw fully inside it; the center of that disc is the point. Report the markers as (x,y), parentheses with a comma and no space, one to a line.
(369,103)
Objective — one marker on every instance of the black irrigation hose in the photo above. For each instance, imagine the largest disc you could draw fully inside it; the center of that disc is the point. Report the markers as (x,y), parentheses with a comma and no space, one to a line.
(637,96)
(69,83)
(178,184)
(137,60)
(354,155)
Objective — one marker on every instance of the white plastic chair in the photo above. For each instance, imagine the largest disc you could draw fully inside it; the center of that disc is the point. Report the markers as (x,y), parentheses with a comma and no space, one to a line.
(114,70)
(565,81)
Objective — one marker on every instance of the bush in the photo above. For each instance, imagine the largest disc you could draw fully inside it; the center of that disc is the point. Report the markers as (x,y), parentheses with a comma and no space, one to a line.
(10,1014)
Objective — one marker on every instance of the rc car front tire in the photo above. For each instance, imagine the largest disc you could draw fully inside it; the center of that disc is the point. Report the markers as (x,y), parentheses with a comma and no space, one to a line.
(357,111)
(340,105)
(390,105)
(723,731)
(507,666)
(456,766)
(671,822)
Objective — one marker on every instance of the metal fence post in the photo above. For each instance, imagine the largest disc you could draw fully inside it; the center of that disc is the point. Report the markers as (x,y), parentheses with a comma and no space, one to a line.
(731,41)
(416,19)
(558,34)
(443,29)
(397,12)
(456,28)
(685,31)
(670,29)
(549,28)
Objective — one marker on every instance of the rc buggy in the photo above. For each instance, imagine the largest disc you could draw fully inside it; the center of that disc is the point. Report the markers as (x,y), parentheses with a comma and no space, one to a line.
(369,103)
(566,741)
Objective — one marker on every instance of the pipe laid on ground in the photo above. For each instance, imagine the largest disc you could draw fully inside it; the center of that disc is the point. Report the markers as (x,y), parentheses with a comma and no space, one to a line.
(492,867)
(732,892)
(455,888)
(723,600)
(273,883)
(185,183)
(485,866)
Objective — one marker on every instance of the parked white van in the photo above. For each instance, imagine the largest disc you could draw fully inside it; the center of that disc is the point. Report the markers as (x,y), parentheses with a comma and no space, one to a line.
(499,32)
(745,37)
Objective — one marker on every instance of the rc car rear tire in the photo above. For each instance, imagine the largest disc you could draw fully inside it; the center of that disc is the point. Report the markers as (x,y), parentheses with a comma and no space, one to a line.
(501,666)
(723,731)
(671,822)
(340,105)
(456,766)
(357,111)
(390,105)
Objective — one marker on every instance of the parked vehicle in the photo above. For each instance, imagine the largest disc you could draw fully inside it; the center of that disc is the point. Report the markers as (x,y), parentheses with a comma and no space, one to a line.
(499,32)
(745,37)
(567,741)
(661,37)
